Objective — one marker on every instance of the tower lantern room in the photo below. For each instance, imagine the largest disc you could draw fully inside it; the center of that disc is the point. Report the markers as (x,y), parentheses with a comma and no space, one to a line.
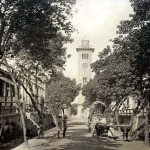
(85,43)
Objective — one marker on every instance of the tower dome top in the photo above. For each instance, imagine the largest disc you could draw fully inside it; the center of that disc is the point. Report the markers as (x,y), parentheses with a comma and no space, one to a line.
(85,46)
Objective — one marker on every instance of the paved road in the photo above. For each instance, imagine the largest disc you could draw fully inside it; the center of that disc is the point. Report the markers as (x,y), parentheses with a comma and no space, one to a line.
(78,138)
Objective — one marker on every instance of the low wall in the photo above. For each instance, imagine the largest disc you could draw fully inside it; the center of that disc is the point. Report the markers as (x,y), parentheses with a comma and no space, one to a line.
(11,118)
(47,119)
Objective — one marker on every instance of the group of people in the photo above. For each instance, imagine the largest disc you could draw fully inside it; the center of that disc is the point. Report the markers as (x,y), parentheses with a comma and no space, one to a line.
(9,131)
(62,123)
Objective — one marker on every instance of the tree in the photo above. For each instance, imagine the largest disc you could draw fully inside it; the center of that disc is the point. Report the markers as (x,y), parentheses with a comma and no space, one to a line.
(137,47)
(132,46)
(125,70)
(29,24)
(60,91)
(111,81)
(33,28)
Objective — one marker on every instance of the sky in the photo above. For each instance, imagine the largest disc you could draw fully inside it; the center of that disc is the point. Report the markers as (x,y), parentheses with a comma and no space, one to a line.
(96,21)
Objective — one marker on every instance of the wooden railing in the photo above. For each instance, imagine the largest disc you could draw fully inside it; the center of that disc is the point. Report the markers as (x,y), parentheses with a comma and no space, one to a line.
(140,130)
(7,107)
(126,112)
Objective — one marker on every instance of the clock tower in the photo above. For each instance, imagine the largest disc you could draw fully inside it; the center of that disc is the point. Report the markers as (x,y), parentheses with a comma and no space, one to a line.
(84,70)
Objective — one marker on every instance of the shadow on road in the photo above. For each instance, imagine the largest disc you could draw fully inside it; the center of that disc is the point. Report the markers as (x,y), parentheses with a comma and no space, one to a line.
(78,138)
(76,123)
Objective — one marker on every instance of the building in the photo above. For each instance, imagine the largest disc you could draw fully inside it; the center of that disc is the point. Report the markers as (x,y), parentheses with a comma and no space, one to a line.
(8,107)
(9,112)
(84,70)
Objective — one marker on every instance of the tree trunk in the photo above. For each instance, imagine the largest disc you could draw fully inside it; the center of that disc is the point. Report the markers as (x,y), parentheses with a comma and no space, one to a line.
(35,105)
(21,111)
(55,120)
(23,123)
(41,125)
(117,121)
(37,99)
(147,129)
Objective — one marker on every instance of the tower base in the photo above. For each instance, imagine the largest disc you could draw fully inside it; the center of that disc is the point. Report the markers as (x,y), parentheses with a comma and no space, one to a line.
(82,113)
(79,111)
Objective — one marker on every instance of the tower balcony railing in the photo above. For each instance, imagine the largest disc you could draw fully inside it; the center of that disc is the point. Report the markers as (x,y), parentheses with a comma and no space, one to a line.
(85,46)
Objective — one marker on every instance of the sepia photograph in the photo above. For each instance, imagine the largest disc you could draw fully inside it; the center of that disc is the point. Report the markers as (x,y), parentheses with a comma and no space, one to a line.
(74,74)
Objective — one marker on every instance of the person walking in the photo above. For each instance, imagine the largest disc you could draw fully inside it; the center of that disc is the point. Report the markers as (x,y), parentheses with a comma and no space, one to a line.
(64,125)
(59,126)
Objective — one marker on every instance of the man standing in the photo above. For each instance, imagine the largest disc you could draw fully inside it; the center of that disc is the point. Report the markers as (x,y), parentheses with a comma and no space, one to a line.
(59,126)
(64,125)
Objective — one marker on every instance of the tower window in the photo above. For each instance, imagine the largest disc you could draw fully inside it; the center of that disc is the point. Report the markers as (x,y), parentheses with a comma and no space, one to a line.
(84,79)
(85,56)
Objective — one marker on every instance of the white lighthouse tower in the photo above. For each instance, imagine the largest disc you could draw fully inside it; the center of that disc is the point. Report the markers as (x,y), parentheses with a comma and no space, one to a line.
(84,70)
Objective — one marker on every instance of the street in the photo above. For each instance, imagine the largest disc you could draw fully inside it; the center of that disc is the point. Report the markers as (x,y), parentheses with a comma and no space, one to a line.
(74,58)
(78,138)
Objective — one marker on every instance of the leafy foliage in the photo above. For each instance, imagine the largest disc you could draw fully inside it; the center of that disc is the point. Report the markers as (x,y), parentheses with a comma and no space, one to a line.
(61,91)
(111,81)
(33,34)
(124,70)
(136,46)
(35,27)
